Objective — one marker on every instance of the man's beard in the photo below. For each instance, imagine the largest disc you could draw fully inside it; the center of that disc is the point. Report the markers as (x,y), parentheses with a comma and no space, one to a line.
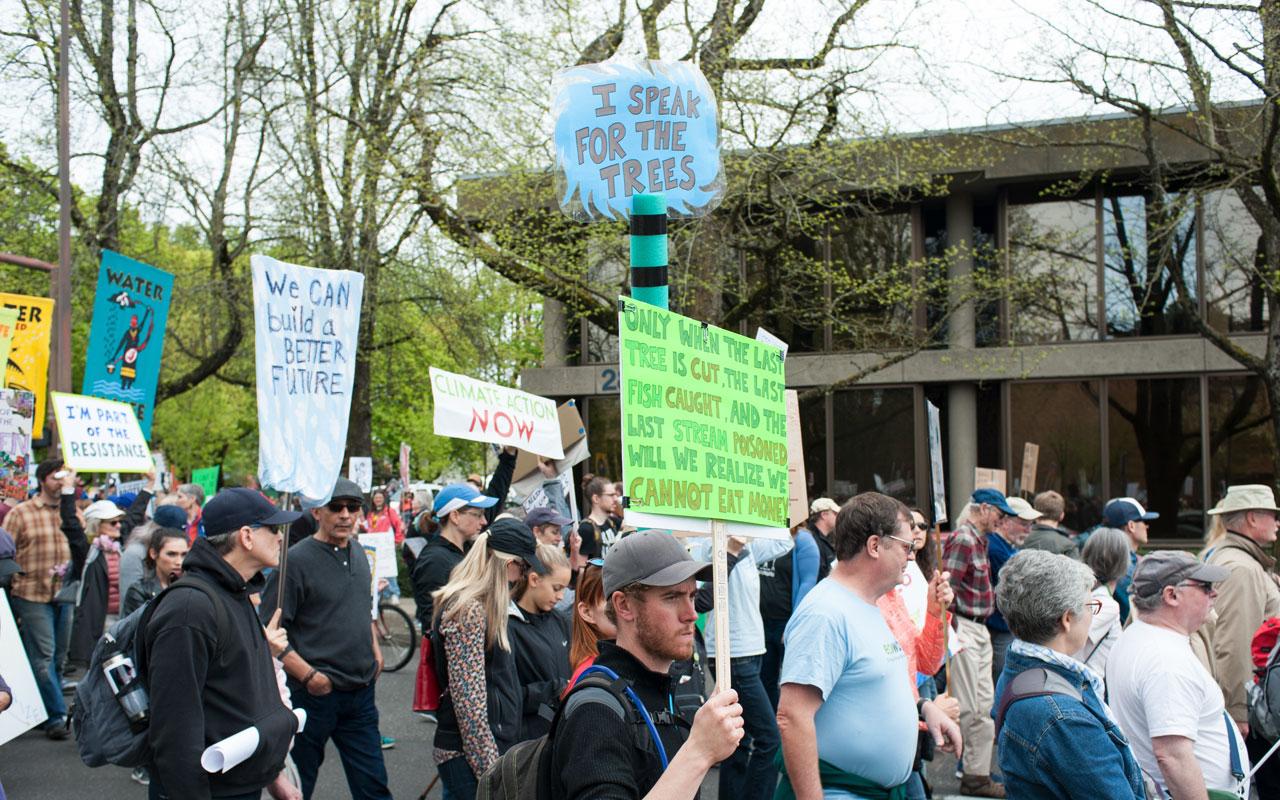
(659,645)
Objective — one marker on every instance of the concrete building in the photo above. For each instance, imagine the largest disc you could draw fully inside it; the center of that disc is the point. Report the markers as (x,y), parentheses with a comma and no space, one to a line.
(1098,367)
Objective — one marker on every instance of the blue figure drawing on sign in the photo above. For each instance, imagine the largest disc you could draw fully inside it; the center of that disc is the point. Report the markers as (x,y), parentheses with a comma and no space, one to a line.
(132,342)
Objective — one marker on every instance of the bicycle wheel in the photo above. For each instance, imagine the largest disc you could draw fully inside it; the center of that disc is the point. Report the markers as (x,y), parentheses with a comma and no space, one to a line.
(396,635)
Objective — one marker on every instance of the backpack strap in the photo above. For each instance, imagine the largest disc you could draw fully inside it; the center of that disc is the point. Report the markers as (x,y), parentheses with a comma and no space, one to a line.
(1237,768)
(1036,682)
(222,621)
(616,689)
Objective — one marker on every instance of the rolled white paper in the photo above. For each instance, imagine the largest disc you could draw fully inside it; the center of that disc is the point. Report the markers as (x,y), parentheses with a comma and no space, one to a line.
(226,754)
(232,751)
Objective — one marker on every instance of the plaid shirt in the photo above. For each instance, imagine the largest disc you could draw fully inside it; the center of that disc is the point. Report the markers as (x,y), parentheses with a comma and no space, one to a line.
(965,557)
(36,528)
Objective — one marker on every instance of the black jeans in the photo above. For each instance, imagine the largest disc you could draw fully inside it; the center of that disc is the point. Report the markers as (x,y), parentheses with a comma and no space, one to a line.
(750,773)
(771,665)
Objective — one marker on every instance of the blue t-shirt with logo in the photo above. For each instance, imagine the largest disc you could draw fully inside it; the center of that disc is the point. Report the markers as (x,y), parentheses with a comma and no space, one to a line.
(866,725)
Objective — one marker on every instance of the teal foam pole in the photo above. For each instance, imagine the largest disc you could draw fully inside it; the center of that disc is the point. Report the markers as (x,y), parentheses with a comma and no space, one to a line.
(649,280)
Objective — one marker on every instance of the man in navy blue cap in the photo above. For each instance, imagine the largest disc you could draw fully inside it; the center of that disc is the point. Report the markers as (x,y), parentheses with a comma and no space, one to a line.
(1129,516)
(965,556)
(209,681)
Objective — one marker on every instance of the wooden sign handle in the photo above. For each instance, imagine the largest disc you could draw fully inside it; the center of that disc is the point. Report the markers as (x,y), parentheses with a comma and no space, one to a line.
(720,582)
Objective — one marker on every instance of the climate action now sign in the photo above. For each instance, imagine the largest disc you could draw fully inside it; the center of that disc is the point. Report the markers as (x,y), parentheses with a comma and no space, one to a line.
(704,419)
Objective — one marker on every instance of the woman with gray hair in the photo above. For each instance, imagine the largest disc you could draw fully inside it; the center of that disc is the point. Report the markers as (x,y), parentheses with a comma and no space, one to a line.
(1055,735)
(1107,554)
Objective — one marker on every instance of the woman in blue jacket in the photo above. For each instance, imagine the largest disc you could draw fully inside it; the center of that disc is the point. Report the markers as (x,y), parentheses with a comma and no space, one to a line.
(1056,737)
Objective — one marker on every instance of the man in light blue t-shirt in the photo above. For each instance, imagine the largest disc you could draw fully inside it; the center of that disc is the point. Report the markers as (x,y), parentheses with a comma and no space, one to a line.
(846,713)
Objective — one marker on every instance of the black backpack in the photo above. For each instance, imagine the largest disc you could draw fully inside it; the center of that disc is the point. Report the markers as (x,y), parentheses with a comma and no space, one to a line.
(509,777)
(101,728)
(1036,682)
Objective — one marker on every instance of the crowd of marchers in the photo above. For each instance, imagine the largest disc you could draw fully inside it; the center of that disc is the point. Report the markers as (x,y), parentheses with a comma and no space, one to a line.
(567,657)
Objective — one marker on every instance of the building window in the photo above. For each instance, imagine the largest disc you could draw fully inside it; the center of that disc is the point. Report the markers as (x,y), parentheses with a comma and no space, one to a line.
(813,436)
(1054,268)
(875,443)
(1063,419)
(1154,443)
(1240,434)
(871,283)
(1144,250)
(1234,292)
(604,429)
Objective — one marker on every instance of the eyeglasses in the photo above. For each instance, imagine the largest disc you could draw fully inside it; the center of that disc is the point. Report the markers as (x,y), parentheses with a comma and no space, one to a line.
(922,526)
(1203,586)
(1094,606)
(338,507)
(911,546)
(472,511)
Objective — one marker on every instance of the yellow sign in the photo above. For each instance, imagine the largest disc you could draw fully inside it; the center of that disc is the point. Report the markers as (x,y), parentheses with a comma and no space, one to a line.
(28,367)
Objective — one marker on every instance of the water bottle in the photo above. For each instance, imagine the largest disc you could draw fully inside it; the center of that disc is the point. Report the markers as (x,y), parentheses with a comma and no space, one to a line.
(128,689)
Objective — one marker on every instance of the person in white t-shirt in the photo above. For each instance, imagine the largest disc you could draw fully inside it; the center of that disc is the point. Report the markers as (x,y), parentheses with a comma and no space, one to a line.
(1163,698)
(1107,554)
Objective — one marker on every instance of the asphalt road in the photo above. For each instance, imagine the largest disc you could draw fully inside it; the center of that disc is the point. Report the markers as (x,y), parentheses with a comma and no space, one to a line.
(35,768)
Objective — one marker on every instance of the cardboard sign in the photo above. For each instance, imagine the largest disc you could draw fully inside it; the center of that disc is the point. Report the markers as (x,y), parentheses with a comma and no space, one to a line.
(704,415)
(126,340)
(207,479)
(1030,460)
(404,467)
(17,418)
(633,128)
(797,486)
(935,464)
(466,408)
(306,323)
(27,710)
(8,326)
(28,365)
(572,431)
(99,435)
(360,470)
(984,478)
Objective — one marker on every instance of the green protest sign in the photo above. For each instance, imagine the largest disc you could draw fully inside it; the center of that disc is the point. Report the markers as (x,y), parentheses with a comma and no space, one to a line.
(206,479)
(704,420)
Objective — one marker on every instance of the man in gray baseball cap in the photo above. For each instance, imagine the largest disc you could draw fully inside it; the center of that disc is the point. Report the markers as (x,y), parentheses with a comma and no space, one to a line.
(649,585)
(651,558)
(1163,698)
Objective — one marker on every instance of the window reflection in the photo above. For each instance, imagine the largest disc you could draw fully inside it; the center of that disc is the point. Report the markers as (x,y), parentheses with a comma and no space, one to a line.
(1240,434)
(1154,430)
(871,282)
(1053,257)
(813,435)
(1233,290)
(875,443)
(1145,248)
(1063,419)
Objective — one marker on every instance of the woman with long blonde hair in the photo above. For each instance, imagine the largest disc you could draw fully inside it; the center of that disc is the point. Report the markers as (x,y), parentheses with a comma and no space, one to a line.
(480,702)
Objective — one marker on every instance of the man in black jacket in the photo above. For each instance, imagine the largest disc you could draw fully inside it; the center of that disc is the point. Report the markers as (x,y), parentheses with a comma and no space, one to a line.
(650,583)
(205,686)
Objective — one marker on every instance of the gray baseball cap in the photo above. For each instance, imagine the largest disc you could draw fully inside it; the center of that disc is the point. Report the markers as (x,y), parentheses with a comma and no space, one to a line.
(1163,568)
(654,558)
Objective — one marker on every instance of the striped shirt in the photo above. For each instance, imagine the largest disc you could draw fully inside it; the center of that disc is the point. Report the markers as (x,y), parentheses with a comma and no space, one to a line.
(36,528)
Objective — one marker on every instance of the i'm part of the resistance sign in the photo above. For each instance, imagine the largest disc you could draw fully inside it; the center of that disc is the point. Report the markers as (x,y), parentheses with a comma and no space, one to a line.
(704,420)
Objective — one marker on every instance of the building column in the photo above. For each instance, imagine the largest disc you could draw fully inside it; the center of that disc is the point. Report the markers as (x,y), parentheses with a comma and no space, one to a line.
(555,334)
(962,398)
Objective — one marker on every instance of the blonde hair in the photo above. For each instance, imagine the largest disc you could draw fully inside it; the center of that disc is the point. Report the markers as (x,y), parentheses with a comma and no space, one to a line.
(552,557)
(1217,532)
(481,578)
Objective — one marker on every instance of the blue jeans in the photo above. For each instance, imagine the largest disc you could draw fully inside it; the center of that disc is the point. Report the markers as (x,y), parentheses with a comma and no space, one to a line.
(46,634)
(750,774)
(771,662)
(457,781)
(350,718)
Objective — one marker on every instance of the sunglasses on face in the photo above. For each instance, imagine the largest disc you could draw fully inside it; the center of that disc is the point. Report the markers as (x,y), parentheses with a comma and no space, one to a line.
(1203,586)
(922,526)
(338,506)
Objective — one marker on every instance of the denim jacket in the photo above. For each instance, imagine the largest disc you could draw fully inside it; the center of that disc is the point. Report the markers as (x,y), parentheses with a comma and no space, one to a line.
(1056,747)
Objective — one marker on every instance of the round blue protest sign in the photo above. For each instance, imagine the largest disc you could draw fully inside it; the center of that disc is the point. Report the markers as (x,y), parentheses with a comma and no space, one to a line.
(627,128)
